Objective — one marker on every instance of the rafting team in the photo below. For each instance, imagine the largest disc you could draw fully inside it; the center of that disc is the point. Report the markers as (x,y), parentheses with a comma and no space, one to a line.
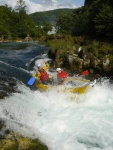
(45,78)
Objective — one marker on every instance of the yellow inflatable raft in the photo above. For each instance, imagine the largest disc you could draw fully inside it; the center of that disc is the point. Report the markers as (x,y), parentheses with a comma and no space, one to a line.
(72,84)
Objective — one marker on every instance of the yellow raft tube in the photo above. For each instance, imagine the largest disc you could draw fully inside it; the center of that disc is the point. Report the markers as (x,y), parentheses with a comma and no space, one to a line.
(80,87)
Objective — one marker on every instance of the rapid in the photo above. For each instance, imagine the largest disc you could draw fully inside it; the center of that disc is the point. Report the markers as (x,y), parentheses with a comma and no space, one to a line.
(63,121)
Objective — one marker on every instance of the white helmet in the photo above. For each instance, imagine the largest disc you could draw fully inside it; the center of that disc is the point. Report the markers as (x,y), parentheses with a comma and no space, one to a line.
(39,65)
(58,69)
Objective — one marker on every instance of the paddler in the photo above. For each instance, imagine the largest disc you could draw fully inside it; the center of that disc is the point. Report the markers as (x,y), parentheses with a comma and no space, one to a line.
(61,75)
(42,75)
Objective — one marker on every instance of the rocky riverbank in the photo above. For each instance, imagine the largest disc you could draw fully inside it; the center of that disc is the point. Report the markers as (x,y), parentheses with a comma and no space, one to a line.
(77,54)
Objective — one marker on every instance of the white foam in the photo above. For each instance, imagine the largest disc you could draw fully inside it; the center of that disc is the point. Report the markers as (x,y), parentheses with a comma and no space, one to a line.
(63,121)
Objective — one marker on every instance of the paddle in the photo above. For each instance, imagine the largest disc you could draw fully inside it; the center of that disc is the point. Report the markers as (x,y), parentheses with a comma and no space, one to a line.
(31,81)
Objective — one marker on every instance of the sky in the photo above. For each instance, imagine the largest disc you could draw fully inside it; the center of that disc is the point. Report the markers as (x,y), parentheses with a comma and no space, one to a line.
(44,5)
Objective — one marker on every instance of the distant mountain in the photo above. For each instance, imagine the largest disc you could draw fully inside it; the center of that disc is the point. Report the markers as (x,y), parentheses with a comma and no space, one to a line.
(51,16)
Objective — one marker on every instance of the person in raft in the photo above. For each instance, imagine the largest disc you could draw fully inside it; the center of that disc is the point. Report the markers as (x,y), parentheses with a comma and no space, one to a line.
(42,75)
(61,75)
(85,73)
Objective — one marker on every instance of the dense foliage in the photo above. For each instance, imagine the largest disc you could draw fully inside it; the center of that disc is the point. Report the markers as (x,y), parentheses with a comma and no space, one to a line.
(49,16)
(15,24)
(94,19)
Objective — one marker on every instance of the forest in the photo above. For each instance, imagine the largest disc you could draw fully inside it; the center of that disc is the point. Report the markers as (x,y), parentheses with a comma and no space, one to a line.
(51,16)
(94,19)
(16,23)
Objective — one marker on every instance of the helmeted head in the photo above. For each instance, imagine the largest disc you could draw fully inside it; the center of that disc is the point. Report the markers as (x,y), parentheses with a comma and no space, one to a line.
(39,66)
(58,69)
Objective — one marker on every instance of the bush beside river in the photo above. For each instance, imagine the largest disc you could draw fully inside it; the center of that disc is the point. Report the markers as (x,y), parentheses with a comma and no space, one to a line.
(80,53)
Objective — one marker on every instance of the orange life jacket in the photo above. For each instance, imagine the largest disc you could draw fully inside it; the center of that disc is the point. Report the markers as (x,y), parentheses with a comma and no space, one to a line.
(62,74)
(84,73)
(44,76)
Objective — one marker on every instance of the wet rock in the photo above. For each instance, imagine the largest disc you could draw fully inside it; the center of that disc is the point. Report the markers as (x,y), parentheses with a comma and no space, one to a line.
(13,141)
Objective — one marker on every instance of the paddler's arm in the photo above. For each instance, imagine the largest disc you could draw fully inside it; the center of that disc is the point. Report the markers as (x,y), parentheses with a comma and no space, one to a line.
(37,75)
(46,66)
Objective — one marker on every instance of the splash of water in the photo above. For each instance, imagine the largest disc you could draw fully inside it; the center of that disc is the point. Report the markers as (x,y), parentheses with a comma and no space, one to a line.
(63,121)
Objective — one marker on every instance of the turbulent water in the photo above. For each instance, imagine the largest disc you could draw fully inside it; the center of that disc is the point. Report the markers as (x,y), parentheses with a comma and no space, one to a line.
(63,121)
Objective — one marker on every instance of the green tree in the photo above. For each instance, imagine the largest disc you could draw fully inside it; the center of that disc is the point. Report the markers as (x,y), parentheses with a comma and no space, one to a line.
(4,33)
(5,14)
(21,6)
(64,23)
(47,27)
(80,21)
(104,22)
(22,28)
(14,24)
(37,32)
(88,2)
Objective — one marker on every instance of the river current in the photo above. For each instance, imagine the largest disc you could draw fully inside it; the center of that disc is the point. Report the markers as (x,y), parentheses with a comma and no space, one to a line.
(63,121)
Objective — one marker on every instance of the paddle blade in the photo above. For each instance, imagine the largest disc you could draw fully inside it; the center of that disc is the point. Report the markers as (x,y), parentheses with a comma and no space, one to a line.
(31,81)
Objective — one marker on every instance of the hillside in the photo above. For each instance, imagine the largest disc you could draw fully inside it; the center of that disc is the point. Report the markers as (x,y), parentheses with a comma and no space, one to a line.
(51,16)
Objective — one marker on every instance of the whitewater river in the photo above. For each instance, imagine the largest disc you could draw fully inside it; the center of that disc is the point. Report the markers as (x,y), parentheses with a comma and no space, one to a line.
(63,121)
